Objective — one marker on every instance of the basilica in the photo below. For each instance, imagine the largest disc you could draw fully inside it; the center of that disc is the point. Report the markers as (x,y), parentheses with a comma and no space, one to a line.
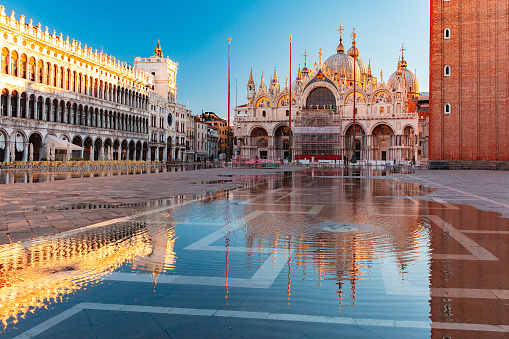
(322,113)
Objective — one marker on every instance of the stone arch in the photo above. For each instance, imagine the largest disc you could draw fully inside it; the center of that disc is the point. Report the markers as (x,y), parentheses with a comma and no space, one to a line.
(315,85)
(377,127)
(3,144)
(36,140)
(131,150)
(138,151)
(257,131)
(77,140)
(359,129)
(321,97)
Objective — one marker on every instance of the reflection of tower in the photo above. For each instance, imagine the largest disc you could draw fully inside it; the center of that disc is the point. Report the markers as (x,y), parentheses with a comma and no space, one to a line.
(160,256)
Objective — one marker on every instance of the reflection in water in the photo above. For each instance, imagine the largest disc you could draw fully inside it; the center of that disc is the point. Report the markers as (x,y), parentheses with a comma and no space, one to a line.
(338,233)
(42,273)
(15,176)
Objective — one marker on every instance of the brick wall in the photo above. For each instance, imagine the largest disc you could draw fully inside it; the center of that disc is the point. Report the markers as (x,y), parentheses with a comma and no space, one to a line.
(477,51)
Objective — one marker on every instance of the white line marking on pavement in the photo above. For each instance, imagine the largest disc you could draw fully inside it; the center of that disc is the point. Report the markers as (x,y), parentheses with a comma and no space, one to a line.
(206,241)
(479,252)
(48,324)
(260,315)
(316,210)
(462,192)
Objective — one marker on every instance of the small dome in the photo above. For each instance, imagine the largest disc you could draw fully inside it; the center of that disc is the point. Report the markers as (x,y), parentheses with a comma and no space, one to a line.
(411,81)
(362,66)
(354,52)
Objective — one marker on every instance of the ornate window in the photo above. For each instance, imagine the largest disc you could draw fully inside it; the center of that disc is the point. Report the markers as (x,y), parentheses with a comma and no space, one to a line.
(321,98)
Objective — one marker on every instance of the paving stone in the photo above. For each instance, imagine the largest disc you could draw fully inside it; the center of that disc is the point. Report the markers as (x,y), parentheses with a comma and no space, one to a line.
(19,236)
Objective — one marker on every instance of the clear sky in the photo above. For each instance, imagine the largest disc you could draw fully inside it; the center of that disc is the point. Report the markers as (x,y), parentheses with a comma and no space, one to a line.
(194,34)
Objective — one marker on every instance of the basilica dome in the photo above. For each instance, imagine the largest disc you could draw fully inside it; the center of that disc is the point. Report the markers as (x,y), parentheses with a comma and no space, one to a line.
(335,64)
(411,81)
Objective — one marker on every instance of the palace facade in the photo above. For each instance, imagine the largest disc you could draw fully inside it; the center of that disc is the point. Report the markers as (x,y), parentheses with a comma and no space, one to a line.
(61,99)
(386,126)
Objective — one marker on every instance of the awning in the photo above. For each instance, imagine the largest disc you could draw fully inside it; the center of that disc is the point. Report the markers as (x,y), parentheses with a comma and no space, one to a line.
(61,144)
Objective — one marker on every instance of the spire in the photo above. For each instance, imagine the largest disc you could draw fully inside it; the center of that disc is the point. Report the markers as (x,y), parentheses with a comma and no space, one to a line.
(158,51)
(262,82)
(299,74)
(370,75)
(275,75)
(251,81)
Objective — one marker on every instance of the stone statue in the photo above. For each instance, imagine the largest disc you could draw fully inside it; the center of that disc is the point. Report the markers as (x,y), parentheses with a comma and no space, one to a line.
(320,55)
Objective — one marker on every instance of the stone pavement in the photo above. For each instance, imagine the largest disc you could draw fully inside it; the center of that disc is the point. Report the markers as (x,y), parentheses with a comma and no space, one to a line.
(485,190)
(39,209)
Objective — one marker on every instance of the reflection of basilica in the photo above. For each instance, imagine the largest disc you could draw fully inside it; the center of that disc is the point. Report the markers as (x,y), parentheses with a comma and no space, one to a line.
(345,257)
(322,113)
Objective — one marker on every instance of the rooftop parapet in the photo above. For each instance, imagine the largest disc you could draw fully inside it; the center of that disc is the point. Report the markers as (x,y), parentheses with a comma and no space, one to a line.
(72,46)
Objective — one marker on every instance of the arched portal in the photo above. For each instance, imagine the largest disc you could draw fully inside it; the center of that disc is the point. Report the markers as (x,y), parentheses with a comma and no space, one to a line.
(382,141)
(260,139)
(359,145)
(36,141)
(88,148)
(282,142)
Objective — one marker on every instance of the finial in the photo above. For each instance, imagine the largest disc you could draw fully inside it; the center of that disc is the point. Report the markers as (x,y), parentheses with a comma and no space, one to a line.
(229,40)
(305,58)
(402,50)
(341,30)
(354,35)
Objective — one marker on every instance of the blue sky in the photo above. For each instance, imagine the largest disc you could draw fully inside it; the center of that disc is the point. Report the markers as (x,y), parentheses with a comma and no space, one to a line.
(194,34)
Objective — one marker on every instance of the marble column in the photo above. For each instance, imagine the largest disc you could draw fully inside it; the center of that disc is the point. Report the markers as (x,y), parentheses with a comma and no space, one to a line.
(91,158)
(7,151)
(25,151)
(165,154)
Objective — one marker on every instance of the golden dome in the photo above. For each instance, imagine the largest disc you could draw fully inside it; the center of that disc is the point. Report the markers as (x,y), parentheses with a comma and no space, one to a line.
(354,52)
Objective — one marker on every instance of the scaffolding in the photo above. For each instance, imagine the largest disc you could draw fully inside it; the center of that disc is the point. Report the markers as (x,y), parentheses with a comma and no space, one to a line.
(317,136)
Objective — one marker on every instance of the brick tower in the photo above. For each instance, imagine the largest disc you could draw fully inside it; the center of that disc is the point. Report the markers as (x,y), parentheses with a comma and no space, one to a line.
(469,80)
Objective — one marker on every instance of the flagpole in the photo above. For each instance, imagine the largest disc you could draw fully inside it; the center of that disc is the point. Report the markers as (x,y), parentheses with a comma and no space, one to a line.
(290,104)
(354,35)
(228,127)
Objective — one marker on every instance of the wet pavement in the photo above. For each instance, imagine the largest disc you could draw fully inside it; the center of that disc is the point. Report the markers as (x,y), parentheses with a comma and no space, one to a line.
(259,253)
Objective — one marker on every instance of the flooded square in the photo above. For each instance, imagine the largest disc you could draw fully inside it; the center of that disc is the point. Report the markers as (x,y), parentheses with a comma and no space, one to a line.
(314,253)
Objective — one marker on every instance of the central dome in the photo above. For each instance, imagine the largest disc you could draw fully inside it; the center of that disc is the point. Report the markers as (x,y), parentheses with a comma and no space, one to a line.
(335,64)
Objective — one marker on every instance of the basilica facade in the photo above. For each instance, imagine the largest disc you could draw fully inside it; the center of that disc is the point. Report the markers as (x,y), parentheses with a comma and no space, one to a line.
(386,120)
